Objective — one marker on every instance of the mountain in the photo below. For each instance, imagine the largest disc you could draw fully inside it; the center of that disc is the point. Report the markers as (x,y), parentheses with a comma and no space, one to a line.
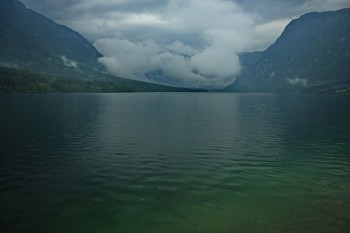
(39,55)
(32,41)
(312,54)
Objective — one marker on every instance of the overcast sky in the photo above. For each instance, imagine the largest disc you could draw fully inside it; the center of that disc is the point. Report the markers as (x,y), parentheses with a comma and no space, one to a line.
(190,43)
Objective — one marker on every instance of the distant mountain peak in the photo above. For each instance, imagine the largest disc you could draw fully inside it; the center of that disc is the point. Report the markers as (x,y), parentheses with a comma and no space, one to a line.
(8,6)
(14,3)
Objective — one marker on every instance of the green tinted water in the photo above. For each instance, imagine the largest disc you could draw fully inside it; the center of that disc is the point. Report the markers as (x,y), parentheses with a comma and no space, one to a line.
(174,163)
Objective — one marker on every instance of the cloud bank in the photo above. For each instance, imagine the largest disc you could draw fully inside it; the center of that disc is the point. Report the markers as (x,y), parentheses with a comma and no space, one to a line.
(192,43)
(201,51)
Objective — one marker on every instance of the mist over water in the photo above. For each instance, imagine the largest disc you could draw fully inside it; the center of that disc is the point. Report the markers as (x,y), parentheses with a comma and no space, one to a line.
(157,162)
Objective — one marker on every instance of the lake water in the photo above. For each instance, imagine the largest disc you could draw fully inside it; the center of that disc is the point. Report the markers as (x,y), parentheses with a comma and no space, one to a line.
(174,162)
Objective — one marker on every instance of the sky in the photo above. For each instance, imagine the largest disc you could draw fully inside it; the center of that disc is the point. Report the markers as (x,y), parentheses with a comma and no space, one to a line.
(190,43)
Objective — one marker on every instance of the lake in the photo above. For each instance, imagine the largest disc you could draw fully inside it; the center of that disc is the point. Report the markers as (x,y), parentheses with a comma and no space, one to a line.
(174,162)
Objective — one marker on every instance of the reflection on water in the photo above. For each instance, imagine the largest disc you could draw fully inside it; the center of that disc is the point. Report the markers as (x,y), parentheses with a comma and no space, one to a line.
(189,162)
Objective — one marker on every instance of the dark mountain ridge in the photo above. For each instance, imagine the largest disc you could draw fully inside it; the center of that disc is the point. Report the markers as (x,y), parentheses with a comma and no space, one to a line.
(32,41)
(312,53)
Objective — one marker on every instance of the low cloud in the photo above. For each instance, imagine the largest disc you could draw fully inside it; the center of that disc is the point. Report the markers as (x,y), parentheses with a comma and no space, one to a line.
(208,59)
(178,64)
(9,65)
(68,62)
(297,81)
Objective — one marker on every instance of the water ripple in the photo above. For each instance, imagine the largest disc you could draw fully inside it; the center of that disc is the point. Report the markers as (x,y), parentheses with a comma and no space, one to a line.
(175,163)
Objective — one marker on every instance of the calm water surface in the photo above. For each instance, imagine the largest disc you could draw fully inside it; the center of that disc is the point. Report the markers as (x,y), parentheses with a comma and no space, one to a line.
(180,162)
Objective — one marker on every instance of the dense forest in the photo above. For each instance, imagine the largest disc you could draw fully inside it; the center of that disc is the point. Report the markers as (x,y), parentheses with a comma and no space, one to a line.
(12,80)
(21,81)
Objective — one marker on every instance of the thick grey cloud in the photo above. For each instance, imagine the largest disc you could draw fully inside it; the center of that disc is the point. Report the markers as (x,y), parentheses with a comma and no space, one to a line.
(220,30)
(279,9)
(190,42)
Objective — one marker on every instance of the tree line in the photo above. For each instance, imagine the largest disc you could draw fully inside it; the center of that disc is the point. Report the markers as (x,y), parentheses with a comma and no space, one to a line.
(13,80)
(21,81)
